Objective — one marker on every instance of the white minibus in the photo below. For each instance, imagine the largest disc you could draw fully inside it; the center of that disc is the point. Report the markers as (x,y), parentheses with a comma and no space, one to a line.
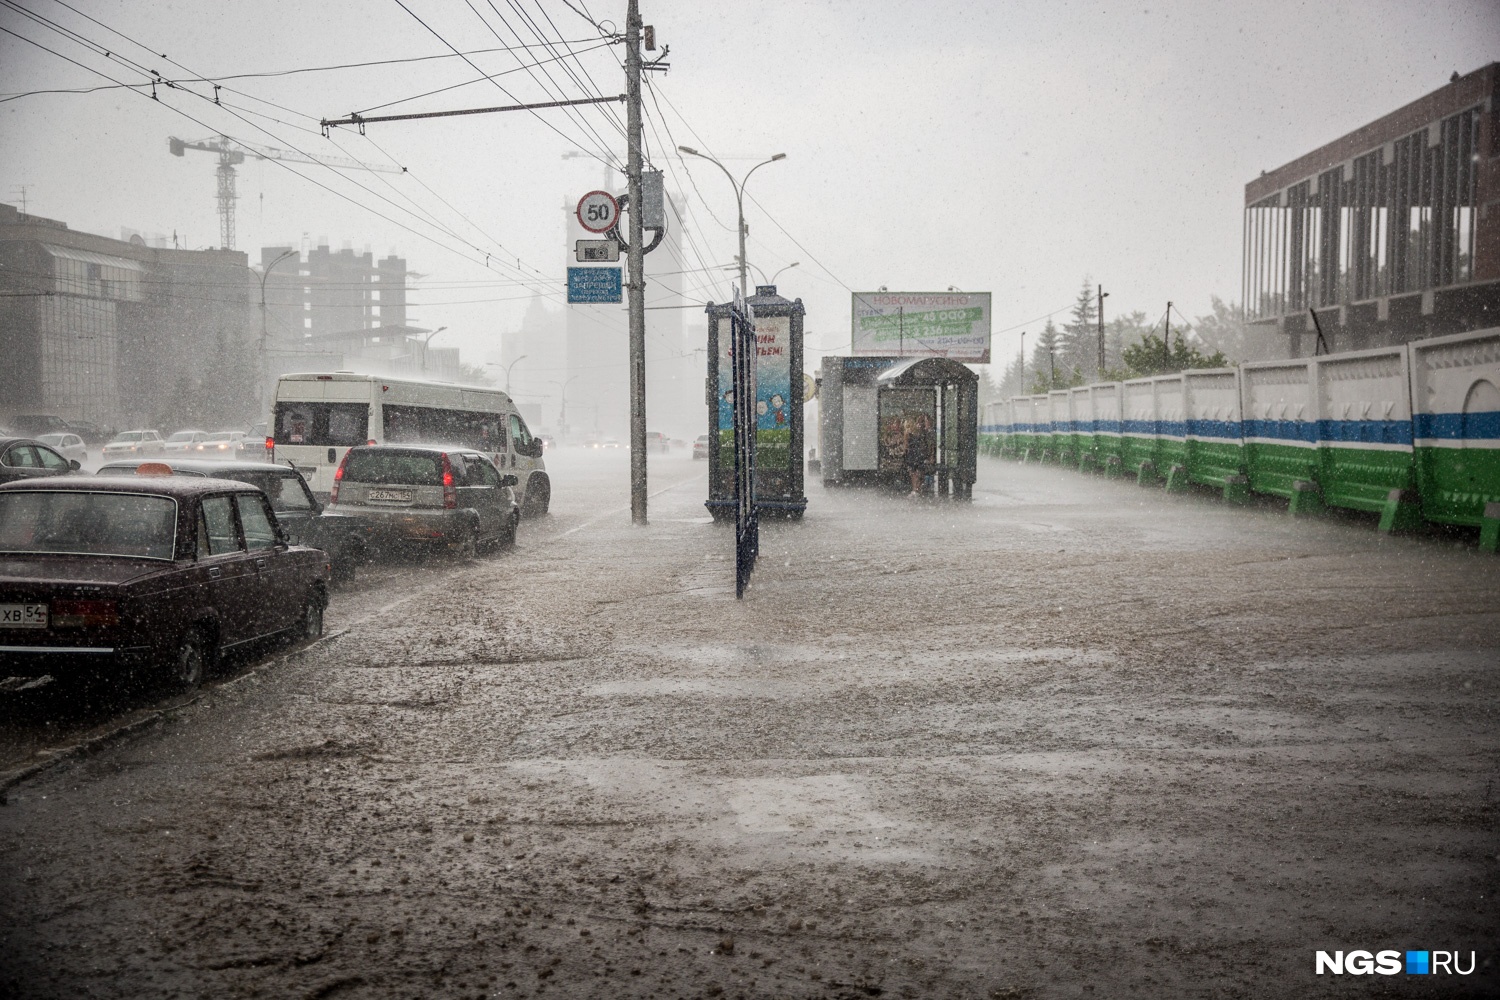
(317,416)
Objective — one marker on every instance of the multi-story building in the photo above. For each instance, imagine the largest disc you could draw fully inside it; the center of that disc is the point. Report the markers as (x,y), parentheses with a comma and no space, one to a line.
(338,309)
(118,332)
(1389,234)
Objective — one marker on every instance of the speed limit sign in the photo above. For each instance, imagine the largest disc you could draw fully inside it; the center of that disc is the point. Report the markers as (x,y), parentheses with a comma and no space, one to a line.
(598,211)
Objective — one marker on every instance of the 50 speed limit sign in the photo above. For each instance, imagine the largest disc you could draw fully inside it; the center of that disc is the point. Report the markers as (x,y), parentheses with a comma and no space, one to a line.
(598,211)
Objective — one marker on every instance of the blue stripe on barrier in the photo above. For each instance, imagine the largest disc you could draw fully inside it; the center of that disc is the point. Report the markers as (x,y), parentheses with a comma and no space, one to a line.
(1368,431)
(1146,427)
(1106,427)
(1214,429)
(1304,431)
(1457,426)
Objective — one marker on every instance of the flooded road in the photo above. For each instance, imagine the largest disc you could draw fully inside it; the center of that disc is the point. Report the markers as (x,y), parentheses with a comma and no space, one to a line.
(1075,739)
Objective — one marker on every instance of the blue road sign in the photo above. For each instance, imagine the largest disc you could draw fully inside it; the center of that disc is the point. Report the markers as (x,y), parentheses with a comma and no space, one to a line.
(593,284)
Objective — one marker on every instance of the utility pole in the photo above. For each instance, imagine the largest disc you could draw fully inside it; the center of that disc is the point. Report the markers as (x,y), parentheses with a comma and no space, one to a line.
(1169,328)
(1102,294)
(636,259)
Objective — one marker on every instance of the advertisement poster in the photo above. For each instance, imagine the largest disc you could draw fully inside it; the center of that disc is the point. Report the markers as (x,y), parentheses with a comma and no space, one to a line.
(773,375)
(952,325)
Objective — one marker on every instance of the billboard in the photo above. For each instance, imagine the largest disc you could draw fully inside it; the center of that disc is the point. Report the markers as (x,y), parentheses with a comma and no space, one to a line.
(952,325)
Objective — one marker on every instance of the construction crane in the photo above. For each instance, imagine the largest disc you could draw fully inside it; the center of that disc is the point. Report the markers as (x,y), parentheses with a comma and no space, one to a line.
(231,154)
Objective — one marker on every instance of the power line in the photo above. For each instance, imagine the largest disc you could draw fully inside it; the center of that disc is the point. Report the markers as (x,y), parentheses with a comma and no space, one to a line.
(466,83)
(496,83)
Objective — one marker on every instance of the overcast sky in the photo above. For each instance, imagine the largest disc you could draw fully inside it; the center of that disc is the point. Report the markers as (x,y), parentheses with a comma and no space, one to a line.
(1002,147)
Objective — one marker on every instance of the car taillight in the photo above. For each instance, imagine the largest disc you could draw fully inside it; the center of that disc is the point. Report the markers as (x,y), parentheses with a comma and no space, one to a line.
(66,614)
(371,442)
(450,493)
(338,477)
(270,446)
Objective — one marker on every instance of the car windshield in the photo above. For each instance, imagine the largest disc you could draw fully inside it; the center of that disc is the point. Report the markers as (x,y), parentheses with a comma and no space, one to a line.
(183,436)
(411,468)
(128,436)
(220,436)
(282,488)
(52,439)
(74,522)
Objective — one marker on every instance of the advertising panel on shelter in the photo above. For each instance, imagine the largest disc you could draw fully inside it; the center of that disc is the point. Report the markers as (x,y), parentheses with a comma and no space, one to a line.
(773,375)
(952,325)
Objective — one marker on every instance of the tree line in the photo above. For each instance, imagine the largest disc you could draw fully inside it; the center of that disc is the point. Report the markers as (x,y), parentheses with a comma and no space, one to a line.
(1061,357)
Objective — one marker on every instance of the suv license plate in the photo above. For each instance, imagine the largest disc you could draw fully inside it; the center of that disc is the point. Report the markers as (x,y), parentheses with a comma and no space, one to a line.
(23,616)
(390,494)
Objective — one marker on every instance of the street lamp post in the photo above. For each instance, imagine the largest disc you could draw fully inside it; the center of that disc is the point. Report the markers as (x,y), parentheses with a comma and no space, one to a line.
(427,341)
(739,197)
(263,332)
(507,373)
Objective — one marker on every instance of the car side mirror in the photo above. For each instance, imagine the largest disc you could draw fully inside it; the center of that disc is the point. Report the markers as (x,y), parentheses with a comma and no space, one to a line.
(74,465)
(536,448)
(509,480)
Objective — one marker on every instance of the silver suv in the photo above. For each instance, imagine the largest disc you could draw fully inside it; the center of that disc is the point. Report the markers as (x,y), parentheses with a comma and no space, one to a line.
(416,495)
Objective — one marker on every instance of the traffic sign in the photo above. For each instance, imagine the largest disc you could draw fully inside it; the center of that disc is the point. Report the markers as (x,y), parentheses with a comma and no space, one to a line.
(593,284)
(596,251)
(598,211)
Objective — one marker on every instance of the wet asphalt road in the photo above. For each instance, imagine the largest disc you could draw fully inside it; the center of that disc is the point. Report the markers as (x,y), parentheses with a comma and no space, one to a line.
(1074,739)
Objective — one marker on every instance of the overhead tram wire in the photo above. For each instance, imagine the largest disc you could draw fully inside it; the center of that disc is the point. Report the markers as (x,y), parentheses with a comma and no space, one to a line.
(553,92)
(472,224)
(496,83)
(456,86)
(687,232)
(429,219)
(284,165)
(156,79)
(609,111)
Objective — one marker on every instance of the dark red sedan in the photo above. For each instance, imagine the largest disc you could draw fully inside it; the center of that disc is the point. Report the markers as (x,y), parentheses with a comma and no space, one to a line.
(161,571)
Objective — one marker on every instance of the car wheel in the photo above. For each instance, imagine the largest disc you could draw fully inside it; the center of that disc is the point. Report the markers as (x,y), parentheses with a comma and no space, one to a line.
(469,547)
(311,626)
(508,540)
(189,662)
(538,497)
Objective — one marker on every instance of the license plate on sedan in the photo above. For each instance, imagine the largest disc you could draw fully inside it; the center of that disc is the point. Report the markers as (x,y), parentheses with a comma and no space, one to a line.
(23,616)
(390,494)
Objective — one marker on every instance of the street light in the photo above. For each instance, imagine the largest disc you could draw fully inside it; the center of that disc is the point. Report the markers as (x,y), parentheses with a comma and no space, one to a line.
(739,196)
(496,364)
(774,276)
(263,334)
(427,341)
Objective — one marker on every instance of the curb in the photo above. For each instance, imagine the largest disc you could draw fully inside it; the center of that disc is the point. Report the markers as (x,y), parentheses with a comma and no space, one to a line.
(152,718)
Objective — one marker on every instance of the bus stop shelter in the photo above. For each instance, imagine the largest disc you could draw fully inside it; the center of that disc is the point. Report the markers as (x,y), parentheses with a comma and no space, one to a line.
(870,406)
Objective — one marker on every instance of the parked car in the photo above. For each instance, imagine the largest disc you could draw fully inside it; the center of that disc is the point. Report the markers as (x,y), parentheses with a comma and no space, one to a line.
(223,444)
(183,443)
(700,447)
(166,572)
(37,424)
(69,446)
(418,495)
(93,434)
(134,444)
(24,458)
(297,510)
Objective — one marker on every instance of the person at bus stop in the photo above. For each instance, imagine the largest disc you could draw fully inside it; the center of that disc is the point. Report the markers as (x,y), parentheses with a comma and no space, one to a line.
(918,458)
